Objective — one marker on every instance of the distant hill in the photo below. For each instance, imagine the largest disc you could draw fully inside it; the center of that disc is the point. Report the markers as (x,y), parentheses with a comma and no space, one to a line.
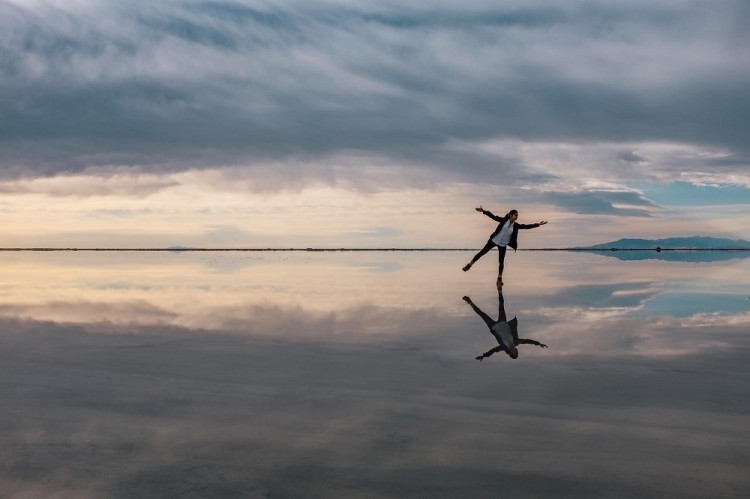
(689,242)
(698,255)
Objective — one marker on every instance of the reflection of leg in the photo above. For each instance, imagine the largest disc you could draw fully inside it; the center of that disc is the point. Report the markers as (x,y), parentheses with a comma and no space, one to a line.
(479,255)
(501,262)
(486,318)
(500,306)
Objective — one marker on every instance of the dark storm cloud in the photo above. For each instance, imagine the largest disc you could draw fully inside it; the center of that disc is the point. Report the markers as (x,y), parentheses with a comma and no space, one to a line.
(175,85)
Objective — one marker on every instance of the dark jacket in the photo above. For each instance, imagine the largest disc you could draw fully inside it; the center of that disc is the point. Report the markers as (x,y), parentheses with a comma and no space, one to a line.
(502,347)
(514,237)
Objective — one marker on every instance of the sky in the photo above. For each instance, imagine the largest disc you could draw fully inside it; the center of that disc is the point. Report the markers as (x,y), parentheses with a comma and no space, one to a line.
(335,123)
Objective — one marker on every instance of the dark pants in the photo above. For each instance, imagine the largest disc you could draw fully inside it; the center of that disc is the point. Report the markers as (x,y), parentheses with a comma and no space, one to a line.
(500,251)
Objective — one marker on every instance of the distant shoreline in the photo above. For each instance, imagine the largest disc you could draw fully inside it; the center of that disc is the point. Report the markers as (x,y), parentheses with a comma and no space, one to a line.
(183,250)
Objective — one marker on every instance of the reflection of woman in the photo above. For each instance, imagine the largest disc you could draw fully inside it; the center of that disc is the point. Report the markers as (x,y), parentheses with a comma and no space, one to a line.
(506,234)
(505,332)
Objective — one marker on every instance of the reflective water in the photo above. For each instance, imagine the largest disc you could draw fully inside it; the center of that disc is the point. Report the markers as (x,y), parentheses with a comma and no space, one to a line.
(348,374)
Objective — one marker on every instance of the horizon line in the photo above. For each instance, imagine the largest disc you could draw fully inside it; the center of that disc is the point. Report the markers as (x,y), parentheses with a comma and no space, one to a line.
(311,249)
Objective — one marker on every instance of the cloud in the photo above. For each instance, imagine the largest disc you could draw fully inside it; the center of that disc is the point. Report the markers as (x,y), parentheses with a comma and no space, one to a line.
(377,232)
(280,416)
(603,202)
(383,91)
(136,312)
(623,295)
(631,157)
(101,183)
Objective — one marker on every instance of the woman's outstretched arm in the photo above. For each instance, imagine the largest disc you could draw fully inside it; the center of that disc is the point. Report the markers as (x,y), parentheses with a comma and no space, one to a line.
(532,226)
(531,342)
(488,213)
(488,353)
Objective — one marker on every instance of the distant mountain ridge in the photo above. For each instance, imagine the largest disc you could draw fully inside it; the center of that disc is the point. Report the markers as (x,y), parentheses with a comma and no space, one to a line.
(687,242)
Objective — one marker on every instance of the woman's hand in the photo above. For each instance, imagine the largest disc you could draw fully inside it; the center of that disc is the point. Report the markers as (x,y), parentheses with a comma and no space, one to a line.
(481,210)
(542,222)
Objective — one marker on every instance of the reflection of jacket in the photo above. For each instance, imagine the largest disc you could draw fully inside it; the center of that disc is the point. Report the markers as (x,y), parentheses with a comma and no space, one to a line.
(511,327)
(514,236)
(506,333)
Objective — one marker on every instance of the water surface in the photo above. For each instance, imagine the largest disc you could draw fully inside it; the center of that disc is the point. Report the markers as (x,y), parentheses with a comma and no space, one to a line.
(347,374)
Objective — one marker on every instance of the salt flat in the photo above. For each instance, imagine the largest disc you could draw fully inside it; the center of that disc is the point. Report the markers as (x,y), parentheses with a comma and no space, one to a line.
(354,375)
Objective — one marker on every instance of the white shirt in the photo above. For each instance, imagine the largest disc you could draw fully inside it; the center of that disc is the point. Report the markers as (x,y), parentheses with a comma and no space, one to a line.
(503,334)
(503,237)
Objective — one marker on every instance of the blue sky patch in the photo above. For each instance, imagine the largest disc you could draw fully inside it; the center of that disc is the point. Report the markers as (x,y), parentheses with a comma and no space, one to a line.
(685,193)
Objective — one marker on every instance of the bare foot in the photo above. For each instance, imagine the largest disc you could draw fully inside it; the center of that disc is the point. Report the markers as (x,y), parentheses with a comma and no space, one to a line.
(466,267)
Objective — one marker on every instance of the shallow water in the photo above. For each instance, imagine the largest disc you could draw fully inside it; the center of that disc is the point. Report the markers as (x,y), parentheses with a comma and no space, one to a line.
(353,374)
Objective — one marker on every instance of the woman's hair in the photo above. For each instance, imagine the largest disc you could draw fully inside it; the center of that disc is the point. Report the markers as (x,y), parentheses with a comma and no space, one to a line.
(513,212)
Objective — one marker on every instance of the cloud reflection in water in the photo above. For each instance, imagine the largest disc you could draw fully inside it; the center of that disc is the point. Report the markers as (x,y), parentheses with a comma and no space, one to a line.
(300,375)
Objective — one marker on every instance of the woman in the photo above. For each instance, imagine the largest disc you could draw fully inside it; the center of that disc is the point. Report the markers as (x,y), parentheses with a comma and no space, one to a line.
(506,234)
(505,331)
